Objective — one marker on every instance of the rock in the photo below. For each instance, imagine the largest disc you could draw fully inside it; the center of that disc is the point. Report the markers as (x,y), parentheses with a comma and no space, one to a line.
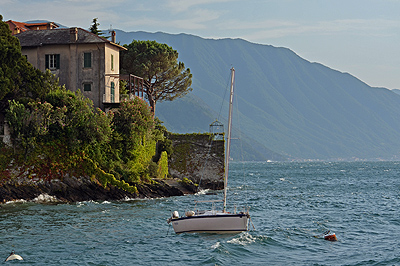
(73,189)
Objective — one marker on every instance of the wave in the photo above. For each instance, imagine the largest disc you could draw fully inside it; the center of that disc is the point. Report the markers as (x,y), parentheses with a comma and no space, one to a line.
(203,192)
(42,198)
(216,245)
(16,201)
(45,198)
(243,239)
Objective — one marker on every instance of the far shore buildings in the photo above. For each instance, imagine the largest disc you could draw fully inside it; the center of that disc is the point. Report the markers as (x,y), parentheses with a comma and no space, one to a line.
(18,27)
(80,59)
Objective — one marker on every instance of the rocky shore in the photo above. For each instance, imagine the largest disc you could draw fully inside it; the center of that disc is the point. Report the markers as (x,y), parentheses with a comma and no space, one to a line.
(82,189)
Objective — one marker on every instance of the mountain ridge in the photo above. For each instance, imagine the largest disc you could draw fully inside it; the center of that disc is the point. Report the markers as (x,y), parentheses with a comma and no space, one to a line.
(290,107)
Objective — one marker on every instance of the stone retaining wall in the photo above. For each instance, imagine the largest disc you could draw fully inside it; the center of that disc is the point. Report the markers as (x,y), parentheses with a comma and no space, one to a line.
(198,158)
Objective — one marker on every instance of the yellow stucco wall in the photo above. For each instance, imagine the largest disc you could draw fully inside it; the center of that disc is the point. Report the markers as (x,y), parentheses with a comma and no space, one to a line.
(74,75)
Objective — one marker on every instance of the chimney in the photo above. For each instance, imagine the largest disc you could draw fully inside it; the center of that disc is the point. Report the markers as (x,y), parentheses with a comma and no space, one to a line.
(73,34)
(113,36)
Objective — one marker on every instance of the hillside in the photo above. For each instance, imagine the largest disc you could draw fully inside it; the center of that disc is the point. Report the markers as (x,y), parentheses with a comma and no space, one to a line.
(289,107)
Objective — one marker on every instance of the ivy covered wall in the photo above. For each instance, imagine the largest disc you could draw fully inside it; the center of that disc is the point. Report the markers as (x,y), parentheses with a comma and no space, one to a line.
(198,158)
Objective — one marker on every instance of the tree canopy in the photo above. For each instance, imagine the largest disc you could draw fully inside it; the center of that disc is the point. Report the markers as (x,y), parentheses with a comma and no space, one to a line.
(165,78)
(95,28)
(10,58)
(18,78)
(132,121)
(65,135)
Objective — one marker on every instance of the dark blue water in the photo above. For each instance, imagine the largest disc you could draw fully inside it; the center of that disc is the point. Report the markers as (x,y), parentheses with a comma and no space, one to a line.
(290,204)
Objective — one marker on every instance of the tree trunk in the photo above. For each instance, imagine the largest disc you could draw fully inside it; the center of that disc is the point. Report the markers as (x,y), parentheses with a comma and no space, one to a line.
(152,103)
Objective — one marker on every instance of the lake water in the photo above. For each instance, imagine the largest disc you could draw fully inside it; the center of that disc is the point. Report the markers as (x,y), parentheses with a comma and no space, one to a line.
(291,203)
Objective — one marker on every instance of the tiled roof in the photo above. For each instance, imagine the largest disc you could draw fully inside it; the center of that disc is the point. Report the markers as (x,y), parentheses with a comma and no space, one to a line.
(20,25)
(25,26)
(40,24)
(35,38)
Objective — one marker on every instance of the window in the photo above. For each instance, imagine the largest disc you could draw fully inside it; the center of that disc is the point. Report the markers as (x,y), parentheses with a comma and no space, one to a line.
(87,59)
(112,92)
(52,61)
(112,62)
(87,87)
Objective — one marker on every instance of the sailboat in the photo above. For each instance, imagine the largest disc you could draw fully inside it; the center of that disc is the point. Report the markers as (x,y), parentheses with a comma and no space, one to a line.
(214,221)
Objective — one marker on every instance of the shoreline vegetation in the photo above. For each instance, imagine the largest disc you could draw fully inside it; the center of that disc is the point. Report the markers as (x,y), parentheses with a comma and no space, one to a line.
(115,155)
(91,155)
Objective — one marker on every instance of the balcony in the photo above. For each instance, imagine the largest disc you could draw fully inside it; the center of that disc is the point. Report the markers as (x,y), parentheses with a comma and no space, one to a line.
(110,98)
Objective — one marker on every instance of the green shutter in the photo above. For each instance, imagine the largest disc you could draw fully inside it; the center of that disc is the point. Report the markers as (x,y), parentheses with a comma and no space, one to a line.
(112,92)
(47,61)
(87,60)
(57,61)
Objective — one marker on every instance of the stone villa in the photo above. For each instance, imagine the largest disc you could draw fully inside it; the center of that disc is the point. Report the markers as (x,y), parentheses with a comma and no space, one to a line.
(80,59)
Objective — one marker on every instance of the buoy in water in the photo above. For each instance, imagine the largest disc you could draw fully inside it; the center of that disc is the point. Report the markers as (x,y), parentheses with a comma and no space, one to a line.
(330,236)
(13,256)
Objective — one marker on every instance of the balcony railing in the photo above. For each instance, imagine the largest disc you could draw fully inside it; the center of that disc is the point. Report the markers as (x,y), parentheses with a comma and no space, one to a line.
(135,84)
(110,98)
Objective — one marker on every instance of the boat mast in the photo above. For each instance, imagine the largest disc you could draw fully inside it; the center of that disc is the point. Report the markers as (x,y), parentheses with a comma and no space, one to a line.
(228,143)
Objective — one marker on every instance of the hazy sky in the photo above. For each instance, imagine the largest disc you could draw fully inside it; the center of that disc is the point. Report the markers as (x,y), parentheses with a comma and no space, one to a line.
(360,37)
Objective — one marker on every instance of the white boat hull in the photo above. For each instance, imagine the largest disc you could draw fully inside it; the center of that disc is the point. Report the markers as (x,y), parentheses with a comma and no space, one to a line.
(221,223)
